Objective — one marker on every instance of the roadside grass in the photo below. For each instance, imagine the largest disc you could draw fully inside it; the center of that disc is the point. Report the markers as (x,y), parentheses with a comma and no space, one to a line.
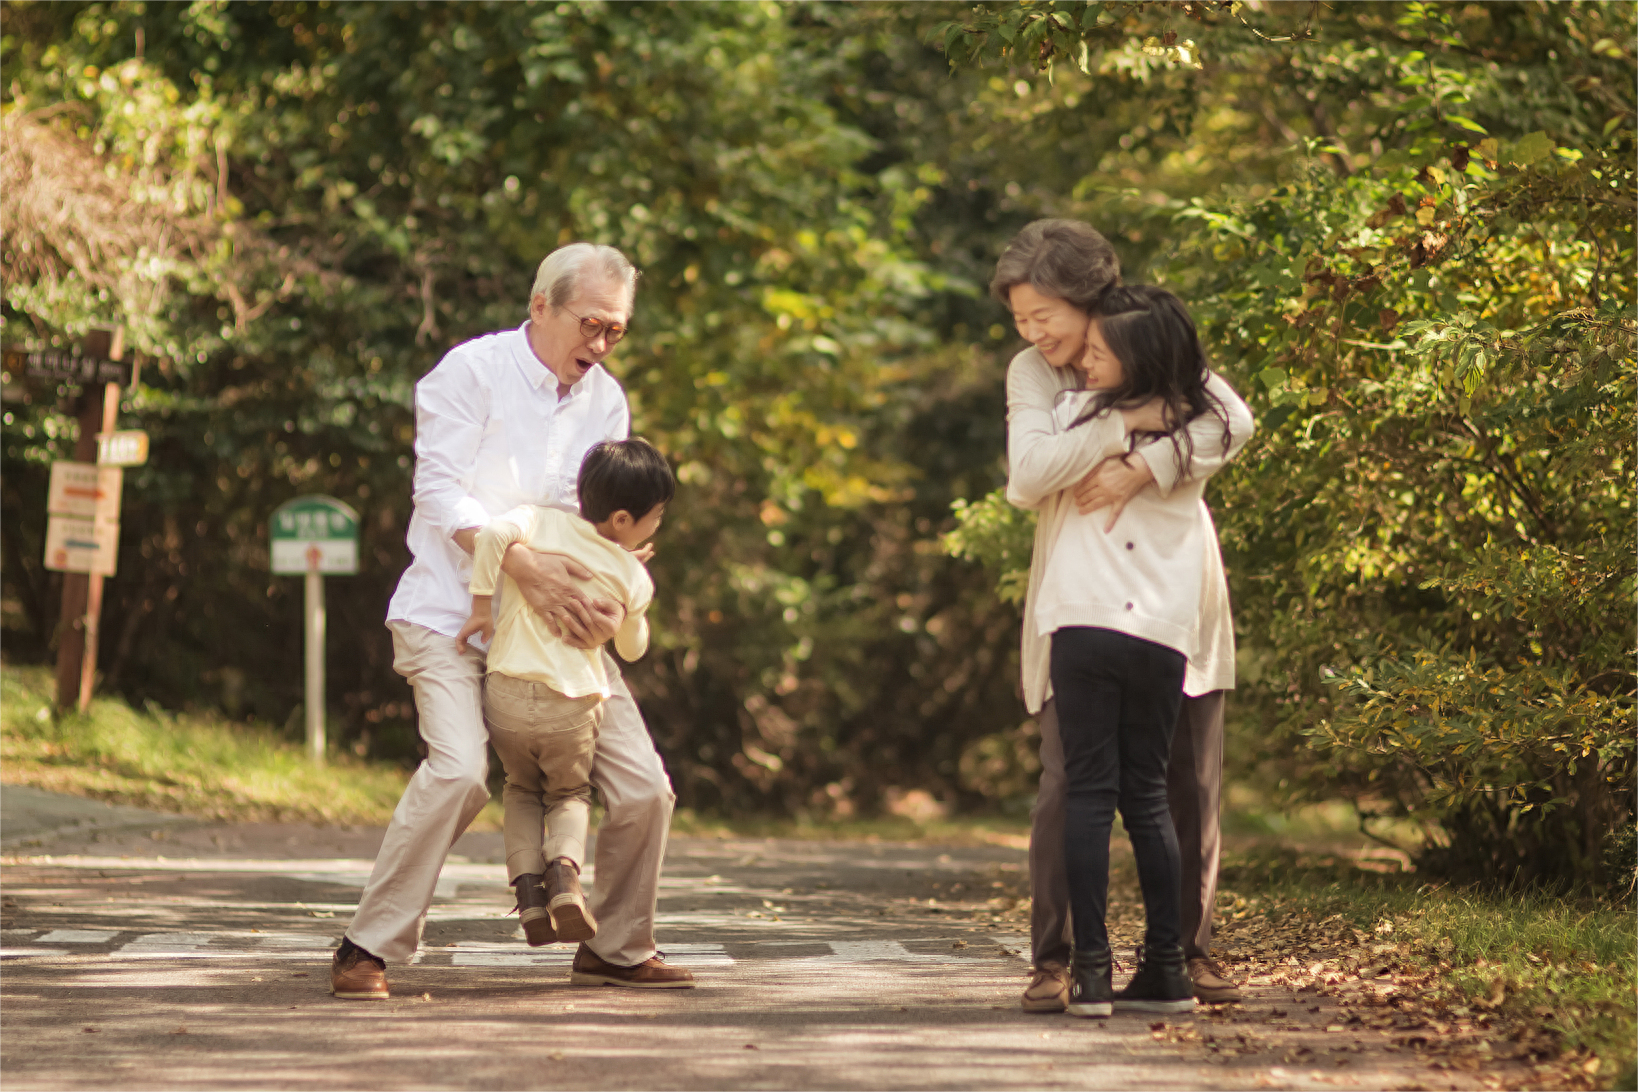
(953,830)
(1543,977)
(190,764)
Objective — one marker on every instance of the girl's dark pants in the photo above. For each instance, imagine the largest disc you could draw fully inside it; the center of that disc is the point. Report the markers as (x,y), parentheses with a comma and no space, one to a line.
(1118,698)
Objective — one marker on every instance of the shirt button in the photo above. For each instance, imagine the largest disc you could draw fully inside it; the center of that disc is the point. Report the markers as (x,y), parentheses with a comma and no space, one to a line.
(1128,606)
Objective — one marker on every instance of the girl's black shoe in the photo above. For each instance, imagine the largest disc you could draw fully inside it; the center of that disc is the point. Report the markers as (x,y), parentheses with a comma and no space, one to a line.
(1161,984)
(1090,992)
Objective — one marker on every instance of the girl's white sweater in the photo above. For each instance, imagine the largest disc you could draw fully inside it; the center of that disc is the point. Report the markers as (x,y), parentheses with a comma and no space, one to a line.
(1172,575)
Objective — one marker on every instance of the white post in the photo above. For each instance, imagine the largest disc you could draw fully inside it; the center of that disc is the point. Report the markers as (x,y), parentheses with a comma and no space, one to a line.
(315,658)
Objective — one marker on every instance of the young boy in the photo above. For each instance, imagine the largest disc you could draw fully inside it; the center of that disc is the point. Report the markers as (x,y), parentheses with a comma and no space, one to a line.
(543,700)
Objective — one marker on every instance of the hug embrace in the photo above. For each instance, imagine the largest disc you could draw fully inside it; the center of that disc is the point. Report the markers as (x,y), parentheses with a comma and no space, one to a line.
(528,488)
(1114,424)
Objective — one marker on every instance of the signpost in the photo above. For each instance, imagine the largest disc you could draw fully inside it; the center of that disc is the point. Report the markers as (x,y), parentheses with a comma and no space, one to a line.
(82,532)
(128,448)
(314,535)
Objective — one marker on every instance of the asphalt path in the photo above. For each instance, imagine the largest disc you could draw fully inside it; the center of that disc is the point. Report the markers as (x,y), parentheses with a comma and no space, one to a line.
(149,951)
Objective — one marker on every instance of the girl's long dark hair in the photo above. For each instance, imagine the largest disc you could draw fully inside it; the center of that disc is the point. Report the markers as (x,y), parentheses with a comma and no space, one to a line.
(1150,332)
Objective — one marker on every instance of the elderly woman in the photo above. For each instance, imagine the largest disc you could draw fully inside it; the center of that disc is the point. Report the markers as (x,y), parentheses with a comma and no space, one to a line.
(1051,276)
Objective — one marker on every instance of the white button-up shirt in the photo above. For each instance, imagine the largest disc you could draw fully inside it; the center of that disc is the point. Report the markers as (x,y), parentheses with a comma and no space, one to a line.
(491,434)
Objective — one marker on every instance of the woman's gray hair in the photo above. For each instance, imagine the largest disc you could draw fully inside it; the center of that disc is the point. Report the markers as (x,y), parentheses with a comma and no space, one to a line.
(561,274)
(1064,259)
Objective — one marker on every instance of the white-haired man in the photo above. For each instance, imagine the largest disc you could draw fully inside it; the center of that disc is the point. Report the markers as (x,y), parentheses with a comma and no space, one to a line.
(505,420)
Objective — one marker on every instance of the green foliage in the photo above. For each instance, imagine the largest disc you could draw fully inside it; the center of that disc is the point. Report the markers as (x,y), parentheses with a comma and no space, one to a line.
(993,532)
(407,168)
(1430,540)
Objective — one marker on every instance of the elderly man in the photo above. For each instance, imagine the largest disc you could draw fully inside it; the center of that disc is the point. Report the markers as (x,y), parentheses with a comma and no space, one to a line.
(505,420)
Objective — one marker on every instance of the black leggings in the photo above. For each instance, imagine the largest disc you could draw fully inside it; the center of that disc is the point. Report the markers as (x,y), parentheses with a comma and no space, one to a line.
(1118,697)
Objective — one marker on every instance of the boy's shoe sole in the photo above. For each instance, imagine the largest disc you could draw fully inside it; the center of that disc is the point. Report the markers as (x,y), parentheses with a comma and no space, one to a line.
(573,922)
(1131,1005)
(1091,1008)
(537,927)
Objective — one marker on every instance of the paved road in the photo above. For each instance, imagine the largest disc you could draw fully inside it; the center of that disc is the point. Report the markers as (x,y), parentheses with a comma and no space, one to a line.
(145,952)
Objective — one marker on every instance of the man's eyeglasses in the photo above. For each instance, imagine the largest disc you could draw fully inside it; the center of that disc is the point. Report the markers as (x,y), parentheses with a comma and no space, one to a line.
(591,328)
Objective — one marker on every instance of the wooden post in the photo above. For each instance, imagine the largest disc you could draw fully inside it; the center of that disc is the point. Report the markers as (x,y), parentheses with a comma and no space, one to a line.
(314,618)
(93,596)
(71,635)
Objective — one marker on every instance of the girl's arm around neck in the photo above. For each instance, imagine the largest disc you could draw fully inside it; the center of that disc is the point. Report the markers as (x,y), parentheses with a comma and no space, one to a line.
(1206,432)
(1041,460)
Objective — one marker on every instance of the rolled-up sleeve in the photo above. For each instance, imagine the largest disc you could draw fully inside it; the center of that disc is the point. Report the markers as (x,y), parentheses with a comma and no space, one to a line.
(517,525)
(631,640)
(1209,455)
(1041,460)
(451,411)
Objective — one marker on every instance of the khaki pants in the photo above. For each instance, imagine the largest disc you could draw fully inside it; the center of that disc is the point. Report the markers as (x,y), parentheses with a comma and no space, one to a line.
(545,740)
(1194,788)
(449,789)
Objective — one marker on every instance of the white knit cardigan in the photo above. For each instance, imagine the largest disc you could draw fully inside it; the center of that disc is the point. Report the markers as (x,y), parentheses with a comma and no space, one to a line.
(1043,463)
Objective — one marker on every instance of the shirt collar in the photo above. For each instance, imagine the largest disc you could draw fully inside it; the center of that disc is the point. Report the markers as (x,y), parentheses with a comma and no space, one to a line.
(539,375)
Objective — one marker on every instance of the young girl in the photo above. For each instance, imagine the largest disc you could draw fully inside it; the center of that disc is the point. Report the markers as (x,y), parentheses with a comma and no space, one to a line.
(1121,604)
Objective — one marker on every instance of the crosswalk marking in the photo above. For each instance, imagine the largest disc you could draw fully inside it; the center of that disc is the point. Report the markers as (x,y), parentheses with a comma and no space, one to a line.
(77,936)
(282,945)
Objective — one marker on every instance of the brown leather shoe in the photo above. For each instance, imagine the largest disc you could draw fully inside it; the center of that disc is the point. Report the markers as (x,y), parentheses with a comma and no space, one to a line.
(358,975)
(654,973)
(533,911)
(1209,983)
(1048,990)
(567,903)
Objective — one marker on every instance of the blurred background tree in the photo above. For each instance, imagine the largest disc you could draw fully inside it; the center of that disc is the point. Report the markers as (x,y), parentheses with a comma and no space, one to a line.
(1436,333)
(1427,293)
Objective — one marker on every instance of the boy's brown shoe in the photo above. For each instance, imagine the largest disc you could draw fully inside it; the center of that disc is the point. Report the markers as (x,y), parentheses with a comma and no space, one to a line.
(566,902)
(356,975)
(1209,984)
(654,973)
(532,910)
(1048,990)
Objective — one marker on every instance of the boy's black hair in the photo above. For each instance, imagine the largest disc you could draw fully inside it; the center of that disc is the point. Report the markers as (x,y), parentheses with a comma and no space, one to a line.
(624,475)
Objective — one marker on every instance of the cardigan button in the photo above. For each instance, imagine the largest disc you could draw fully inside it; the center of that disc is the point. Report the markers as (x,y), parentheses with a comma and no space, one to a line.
(1128,606)
(1128,545)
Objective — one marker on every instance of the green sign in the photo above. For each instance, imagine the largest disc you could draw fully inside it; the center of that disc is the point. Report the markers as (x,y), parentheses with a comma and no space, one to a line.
(314,534)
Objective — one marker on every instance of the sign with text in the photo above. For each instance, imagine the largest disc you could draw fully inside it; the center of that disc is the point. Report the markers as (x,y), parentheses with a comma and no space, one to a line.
(127,448)
(85,490)
(52,365)
(81,545)
(314,532)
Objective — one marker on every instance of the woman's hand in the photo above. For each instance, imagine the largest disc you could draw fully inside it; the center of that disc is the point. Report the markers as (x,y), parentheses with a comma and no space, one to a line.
(1149,417)
(1111,484)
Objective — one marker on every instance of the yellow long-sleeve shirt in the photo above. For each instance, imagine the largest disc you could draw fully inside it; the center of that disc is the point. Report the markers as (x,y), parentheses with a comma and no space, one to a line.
(523,647)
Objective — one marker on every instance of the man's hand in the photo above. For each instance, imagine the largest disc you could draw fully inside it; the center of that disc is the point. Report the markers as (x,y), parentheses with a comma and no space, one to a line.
(1149,417)
(467,539)
(481,622)
(587,623)
(546,581)
(1111,484)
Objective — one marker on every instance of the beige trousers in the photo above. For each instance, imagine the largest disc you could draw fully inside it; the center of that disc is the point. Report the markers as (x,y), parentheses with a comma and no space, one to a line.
(1194,788)
(545,740)
(449,789)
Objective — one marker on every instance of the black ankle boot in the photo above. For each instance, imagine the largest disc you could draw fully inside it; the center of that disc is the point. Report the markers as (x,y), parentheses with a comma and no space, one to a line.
(1090,993)
(1161,984)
